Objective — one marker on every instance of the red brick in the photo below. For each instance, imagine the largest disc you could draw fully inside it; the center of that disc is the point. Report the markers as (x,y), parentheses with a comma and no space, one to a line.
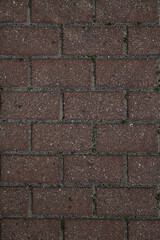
(61,72)
(11,78)
(14,136)
(13,200)
(144,169)
(61,137)
(144,40)
(62,11)
(13,11)
(126,201)
(144,106)
(93,168)
(144,230)
(93,105)
(93,40)
(30,229)
(126,72)
(127,137)
(30,169)
(30,105)
(62,201)
(126,11)
(29,40)
(93,229)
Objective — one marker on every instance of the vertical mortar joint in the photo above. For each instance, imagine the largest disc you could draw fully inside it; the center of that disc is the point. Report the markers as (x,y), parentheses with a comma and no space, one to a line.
(93,132)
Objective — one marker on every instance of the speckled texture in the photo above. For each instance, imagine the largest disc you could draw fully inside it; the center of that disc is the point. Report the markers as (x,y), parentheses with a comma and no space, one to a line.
(127,137)
(144,40)
(144,169)
(73,201)
(126,201)
(25,229)
(14,136)
(125,72)
(62,11)
(126,11)
(144,230)
(28,40)
(93,40)
(11,78)
(144,106)
(94,229)
(61,73)
(93,169)
(13,11)
(13,200)
(80,130)
(93,105)
(39,105)
(61,137)
(30,169)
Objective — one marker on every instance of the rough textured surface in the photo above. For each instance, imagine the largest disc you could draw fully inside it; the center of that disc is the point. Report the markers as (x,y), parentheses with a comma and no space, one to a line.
(78,40)
(13,11)
(61,137)
(13,200)
(144,169)
(80,122)
(11,78)
(126,11)
(126,201)
(144,230)
(14,136)
(93,168)
(91,105)
(144,40)
(126,137)
(30,169)
(73,201)
(61,73)
(96,229)
(62,11)
(144,106)
(125,72)
(28,40)
(24,229)
(30,105)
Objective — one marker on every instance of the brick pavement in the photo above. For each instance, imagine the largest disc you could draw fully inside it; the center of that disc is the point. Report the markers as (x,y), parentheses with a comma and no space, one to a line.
(80,119)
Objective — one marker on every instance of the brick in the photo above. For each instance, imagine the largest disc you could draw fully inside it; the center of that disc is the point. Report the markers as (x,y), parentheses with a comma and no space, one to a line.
(61,72)
(62,11)
(127,137)
(32,105)
(30,229)
(93,168)
(13,11)
(126,201)
(93,40)
(62,201)
(144,40)
(126,72)
(30,169)
(61,137)
(29,40)
(13,200)
(96,229)
(11,78)
(144,106)
(144,230)
(93,105)
(126,11)
(144,169)
(14,136)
